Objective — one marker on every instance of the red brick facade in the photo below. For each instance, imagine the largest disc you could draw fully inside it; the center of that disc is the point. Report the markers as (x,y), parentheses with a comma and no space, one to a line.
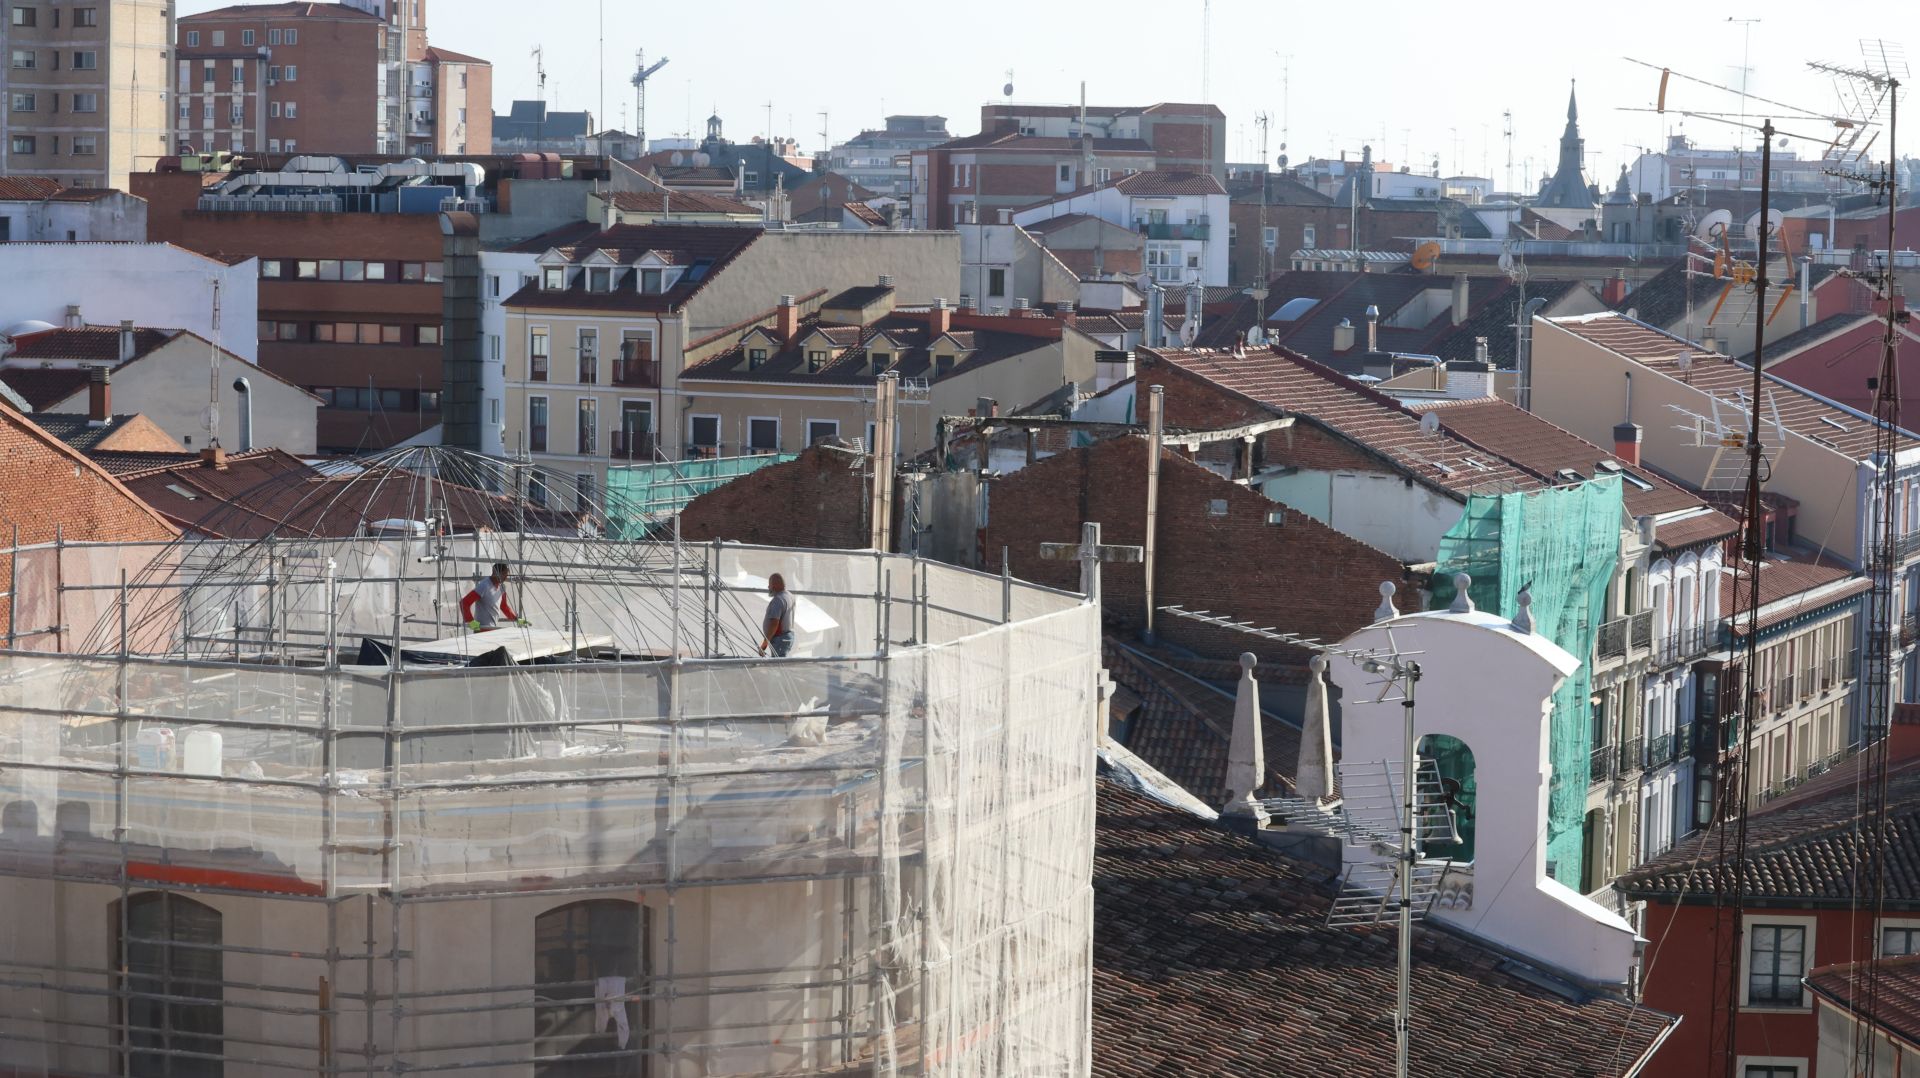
(816,500)
(1217,549)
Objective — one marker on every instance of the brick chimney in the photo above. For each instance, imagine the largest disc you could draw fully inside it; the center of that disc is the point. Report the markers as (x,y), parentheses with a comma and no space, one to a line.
(1065,312)
(99,398)
(1626,443)
(786,322)
(214,457)
(1614,291)
(939,318)
(126,340)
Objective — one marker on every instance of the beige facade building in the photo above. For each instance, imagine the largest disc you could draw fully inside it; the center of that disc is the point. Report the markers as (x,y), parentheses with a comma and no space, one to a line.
(86,89)
(597,326)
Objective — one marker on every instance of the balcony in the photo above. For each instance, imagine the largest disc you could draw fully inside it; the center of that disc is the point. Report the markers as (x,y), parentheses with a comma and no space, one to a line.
(1909,628)
(1167,230)
(633,445)
(537,438)
(1660,750)
(1600,764)
(636,372)
(1683,739)
(1624,635)
(1630,753)
(589,442)
(537,369)
(698,451)
(1683,645)
(1906,546)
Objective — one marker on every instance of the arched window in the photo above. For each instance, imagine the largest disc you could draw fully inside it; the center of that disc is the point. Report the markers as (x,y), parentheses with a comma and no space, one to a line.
(170,945)
(584,951)
(1459,792)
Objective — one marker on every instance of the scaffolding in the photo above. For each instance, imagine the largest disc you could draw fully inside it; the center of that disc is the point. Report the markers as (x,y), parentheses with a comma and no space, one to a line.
(267,807)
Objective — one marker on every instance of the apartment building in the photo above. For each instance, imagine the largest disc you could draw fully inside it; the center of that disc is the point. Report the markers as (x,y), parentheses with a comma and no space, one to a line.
(86,89)
(1179,215)
(595,327)
(879,159)
(326,78)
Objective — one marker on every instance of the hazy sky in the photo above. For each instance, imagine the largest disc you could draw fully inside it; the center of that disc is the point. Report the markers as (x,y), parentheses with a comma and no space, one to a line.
(1418,81)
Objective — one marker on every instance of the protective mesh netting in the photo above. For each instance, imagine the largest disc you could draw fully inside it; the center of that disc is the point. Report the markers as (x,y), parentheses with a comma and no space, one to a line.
(1564,542)
(225,834)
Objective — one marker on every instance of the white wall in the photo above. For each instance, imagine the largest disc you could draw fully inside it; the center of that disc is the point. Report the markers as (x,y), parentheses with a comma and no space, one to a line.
(157,285)
(494,345)
(1377,508)
(169,386)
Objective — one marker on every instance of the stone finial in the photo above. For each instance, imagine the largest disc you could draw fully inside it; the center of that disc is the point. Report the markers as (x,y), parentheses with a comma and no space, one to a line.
(1246,756)
(1462,602)
(1385,611)
(1523,616)
(1313,774)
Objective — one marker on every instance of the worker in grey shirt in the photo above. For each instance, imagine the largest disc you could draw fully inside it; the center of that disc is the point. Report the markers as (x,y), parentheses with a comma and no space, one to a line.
(483,606)
(779,620)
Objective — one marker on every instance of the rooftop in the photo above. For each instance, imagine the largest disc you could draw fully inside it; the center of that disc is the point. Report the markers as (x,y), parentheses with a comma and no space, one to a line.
(1801,852)
(283,11)
(1212,955)
(902,336)
(679,245)
(679,202)
(1893,1004)
(1183,726)
(1806,414)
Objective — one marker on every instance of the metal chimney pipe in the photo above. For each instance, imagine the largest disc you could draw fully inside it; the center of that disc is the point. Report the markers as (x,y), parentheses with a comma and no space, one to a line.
(245,389)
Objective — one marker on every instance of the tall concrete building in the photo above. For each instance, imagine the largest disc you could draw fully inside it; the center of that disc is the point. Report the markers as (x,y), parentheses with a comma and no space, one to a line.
(86,89)
(353,77)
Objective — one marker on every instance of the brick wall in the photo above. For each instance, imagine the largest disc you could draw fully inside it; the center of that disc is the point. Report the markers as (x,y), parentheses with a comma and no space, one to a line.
(1217,550)
(1192,401)
(43,485)
(818,499)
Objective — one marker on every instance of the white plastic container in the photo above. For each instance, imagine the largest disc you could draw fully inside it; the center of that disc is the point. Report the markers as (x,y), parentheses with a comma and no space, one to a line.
(202,755)
(150,750)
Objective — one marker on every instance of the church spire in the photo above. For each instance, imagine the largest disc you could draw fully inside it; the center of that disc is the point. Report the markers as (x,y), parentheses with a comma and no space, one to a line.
(1573,107)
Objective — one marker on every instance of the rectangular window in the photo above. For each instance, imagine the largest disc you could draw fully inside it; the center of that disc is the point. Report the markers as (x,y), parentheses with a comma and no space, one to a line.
(86,60)
(246,37)
(599,279)
(1900,940)
(583,492)
(86,16)
(85,145)
(273,73)
(430,272)
(293,110)
(293,72)
(553,279)
(1776,960)
(193,39)
(21,144)
(329,269)
(392,334)
(219,38)
(996,283)
(353,270)
(1066,173)
(427,335)
(24,59)
(588,426)
(19,102)
(821,430)
(1770,1070)
(650,281)
(273,109)
(536,424)
(268,331)
(86,102)
(291,37)
(816,359)
(289,331)
(703,434)
(273,37)
(493,285)
(323,331)
(763,435)
(537,357)
(269,267)
(23,15)
(376,271)
(589,349)
(755,357)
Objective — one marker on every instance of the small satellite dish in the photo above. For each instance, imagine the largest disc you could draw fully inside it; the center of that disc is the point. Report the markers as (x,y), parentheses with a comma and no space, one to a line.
(702,160)
(1425,254)
(1007,89)
(1189,332)
(1281,160)
(1714,226)
(1774,220)
(1430,423)
(677,159)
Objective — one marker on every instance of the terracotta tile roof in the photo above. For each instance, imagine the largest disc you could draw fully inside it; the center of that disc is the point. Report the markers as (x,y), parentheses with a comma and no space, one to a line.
(126,462)
(1150,184)
(901,335)
(1799,339)
(866,213)
(1800,852)
(282,11)
(82,194)
(27,188)
(716,245)
(77,430)
(678,201)
(1184,727)
(448,56)
(1313,334)
(1810,416)
(43,388)
(1296,385)
(1895,1000)
(98,344)
(1545,449)
(1212,956)
(1699,528)
(1781,580)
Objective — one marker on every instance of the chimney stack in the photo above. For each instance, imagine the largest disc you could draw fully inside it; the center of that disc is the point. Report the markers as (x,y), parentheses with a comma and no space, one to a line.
(1065,312)
(939,318)
(73,317)
(1614,291)
(99,398)
(1373,328)
(786,322)
(1480,350)
(1460,298)
(886,280)
(126,340)
(1626,443)
(214,457)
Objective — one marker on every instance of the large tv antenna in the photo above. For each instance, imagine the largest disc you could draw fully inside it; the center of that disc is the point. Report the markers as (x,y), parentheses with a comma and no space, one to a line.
(1726,429)
(1840,130)
(1866,91)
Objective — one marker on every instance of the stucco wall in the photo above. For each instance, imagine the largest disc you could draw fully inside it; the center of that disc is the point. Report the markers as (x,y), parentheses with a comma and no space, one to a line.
(154,284)
(924,265)
(169,387)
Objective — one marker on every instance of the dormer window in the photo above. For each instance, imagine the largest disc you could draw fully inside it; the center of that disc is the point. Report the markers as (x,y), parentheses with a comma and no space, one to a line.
(942,366)
(599,280)
(816,359)
(553,279)
(756,357)
(881,360)
(650,281)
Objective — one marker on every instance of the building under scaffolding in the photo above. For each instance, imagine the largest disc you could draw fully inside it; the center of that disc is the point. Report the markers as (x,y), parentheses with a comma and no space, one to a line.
(270,808)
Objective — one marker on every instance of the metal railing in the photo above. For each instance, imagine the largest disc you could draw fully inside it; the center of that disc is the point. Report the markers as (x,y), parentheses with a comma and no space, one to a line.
(636,444)
(1909,627)
(1630,751)
(1600,764)
(1624,634)
(1683,739)
(1659,750)
(636,372)
(537,369)
(1681,645)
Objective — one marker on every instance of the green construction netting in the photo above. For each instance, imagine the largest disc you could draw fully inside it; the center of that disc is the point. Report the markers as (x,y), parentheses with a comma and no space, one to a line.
(642,494)
(1565,543)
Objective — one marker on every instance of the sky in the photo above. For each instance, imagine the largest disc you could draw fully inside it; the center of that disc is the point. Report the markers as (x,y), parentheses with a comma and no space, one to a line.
(1418,82)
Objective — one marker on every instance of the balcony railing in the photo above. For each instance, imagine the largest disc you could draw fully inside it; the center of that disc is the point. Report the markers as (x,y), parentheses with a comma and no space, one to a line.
(1600,764)
(1906,546)
(636,372)
(1633,632)
(1909,628)
(1683,739)
(1660,749)
(536,439)
(537,369)
(1168,230)
(1681,645)
(699,451)
(634,445)
(1630,751)
(589,369)
(589,441)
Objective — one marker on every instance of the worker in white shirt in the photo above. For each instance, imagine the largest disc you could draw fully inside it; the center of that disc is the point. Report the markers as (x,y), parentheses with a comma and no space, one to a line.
(483,606)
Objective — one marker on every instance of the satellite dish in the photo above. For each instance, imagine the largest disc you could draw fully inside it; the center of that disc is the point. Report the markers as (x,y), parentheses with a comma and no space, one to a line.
(1281,160)
(1189,332)
(677,159)
(702,160)
(1424,255)
(1007,89)
(1430,423)
(1714,226)
(1774,220)
(1684,360)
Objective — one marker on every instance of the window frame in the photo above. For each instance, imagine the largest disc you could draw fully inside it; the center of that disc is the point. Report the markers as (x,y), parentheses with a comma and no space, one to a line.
(747,441)
(1908,925)
(719,431)
(545,428)
(1798,1064)
(1751,922)
(575,956)
(208,972)
(814,439)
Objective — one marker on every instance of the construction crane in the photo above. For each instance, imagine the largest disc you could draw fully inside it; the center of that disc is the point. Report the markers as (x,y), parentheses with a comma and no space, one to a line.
(641,73)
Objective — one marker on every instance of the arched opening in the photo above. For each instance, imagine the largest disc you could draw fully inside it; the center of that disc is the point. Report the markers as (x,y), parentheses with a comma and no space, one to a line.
(170,946)
(585,951)
(1453,761)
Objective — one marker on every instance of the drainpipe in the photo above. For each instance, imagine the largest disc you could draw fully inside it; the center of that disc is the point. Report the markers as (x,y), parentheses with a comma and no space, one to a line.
(245,389)
(1156,411)
(1806,282)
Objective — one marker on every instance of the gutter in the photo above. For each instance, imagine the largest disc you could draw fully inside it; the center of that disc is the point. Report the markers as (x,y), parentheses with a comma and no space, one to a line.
(1640,1065)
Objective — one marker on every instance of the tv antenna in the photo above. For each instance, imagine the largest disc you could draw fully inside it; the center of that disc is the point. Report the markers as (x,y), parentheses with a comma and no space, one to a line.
(641,73)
